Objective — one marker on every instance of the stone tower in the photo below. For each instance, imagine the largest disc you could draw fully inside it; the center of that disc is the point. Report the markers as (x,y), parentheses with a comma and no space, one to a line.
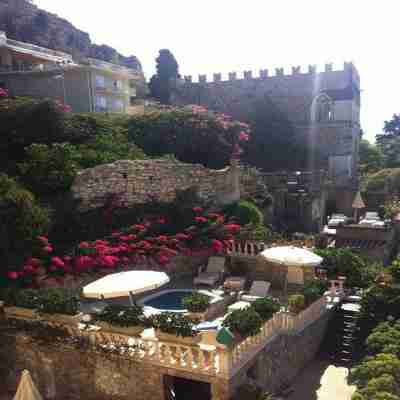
(324,108)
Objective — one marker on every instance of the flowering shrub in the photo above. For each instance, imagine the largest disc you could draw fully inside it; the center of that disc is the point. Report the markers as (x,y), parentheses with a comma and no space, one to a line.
(137,244)
(192,134)
(3,93)
(121,315)
(174,324)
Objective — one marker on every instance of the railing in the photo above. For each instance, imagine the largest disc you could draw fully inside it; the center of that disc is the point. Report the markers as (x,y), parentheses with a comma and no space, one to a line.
(245,249)
(109,66)
(203,358)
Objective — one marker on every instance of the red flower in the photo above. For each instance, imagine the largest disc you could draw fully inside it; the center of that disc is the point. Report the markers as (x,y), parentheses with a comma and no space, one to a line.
(197,210)
(84,245)
(217,245)
(108,261)
(56,261)
(162,221)
(48,249)
(43,239)
(163,260)
(83,262)
(243,136)
(232,227)
(162,238)
(3,93)
(34,261)
(139,227)
(29,269)
(13,275)
(201,220)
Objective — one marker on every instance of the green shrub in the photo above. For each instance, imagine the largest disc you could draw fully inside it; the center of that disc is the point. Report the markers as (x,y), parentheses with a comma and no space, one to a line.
(121,315)
(246,213)
(385,338)
(297,303)
(196,303)
(174,324)
(26,298)
(57,301)
(49,169)
(313,290)
(246,322)
(21,221)
(266,307)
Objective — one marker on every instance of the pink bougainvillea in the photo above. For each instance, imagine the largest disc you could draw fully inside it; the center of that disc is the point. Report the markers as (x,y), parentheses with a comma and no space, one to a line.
(3,93)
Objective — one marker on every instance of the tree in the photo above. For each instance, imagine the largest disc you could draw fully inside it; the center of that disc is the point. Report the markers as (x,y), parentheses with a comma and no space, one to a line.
(389,142)
(167,71)
(272,139)
(371,157)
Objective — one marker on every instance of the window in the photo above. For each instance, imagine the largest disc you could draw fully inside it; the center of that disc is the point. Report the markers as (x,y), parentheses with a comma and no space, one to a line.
(117,85)
(100,82)
(325,110)
(118,105)
(132,100)
(101,104)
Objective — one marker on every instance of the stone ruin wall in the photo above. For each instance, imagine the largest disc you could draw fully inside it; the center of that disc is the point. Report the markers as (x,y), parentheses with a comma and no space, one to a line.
(140,181)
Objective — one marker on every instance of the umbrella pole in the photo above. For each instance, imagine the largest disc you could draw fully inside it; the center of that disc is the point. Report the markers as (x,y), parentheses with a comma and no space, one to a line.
(131,299)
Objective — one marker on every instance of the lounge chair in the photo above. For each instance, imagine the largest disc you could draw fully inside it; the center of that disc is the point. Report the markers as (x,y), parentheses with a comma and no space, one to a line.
(213,273)
(258,290)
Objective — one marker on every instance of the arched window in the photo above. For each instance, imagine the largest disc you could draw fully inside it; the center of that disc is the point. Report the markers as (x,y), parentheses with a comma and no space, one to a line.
(322,109)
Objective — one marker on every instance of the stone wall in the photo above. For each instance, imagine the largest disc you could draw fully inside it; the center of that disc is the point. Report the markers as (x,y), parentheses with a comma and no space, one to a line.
(138,182)
(68,372)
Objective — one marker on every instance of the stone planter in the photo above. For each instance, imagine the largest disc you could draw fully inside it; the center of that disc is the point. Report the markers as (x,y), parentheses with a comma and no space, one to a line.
(168,337)
(20,313)
(62,319)
(129,330)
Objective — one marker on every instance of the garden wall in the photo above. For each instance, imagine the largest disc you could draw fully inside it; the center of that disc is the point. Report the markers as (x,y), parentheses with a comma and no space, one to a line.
(138,182)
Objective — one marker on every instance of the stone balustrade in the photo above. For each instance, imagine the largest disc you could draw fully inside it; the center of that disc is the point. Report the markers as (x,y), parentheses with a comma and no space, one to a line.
(245,249)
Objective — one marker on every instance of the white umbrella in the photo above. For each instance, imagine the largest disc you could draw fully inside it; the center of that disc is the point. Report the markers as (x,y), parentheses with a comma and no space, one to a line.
(27,389)
(125,284)
(291,256)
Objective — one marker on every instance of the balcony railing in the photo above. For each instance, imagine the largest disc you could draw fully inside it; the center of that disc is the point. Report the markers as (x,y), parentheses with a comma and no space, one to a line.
(109,66)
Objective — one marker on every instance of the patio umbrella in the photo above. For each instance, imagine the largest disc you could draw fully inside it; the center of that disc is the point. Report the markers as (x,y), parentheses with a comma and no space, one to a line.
(27,389)
(358,204)
(291,256)
(125,284)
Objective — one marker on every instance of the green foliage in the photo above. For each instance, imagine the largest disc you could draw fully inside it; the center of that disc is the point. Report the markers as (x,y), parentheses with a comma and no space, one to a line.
(389,142)
(272,139)
(375,367)
(394,270)
(27,298)
(386,178)
(121,315)
(313,290)
(371,157)
(266,307)
(297,303)
(197,302)
(57,301)
(167,71)
(246,213)
(246,322)
(49,168)
(174,324)
(191,137)
(385,338)
(21,220)
(347,263)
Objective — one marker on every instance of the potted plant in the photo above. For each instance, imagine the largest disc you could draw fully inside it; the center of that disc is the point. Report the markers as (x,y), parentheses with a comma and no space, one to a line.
(57,305)
(172,327)
(266,307)
(20,304)
(128,320)
(297,303)
(243,323)
(197,305)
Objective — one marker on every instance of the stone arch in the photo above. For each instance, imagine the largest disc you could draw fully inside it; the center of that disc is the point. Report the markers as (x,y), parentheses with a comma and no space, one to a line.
(322,108)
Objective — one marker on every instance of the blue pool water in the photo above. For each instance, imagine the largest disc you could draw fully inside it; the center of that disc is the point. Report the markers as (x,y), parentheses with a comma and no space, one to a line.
(171,300)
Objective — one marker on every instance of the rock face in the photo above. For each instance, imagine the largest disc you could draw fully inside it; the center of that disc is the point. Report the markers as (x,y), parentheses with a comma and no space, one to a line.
(24,21)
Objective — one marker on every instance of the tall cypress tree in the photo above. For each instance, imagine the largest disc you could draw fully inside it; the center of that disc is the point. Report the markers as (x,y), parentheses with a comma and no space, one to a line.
(167,71)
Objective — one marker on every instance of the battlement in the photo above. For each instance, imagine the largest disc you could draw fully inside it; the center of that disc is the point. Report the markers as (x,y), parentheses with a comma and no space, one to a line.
(263,74)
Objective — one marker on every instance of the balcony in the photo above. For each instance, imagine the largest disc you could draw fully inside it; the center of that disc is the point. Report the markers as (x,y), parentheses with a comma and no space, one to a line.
(107,66)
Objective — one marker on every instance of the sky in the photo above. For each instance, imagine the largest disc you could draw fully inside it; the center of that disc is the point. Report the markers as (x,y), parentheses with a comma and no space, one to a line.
(228,35)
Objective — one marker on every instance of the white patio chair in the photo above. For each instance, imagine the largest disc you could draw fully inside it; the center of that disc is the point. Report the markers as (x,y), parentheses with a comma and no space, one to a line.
(258,290)
(213,273)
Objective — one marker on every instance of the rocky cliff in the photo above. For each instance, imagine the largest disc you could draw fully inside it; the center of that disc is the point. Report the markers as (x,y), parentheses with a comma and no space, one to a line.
(23,20)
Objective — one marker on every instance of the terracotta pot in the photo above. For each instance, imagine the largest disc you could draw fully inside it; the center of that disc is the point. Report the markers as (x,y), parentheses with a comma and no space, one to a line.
(20,313)
(168,337)
(129,331)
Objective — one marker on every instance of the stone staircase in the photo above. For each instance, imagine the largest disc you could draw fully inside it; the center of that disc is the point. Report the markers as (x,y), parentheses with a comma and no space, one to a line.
(341,344)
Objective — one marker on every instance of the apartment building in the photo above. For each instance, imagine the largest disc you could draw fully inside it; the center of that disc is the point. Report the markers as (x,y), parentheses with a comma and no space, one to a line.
(87,85)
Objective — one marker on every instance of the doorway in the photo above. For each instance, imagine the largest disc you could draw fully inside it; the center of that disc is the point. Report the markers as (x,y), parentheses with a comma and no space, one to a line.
(183,389)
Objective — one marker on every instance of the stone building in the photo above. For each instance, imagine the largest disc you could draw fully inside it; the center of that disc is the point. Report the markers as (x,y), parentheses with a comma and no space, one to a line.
(86,85)
(324,108)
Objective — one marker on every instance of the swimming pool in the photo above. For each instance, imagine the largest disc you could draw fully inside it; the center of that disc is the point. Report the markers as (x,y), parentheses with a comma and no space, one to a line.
(171,300)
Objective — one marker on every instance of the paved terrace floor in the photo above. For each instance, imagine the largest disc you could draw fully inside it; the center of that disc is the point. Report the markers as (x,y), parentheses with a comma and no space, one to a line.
(321,380)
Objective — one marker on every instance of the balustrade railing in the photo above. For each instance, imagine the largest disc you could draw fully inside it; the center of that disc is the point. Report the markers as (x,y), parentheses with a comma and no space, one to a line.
(245,248)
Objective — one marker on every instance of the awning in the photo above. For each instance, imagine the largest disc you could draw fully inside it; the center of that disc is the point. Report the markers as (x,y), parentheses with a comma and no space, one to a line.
(124,284)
